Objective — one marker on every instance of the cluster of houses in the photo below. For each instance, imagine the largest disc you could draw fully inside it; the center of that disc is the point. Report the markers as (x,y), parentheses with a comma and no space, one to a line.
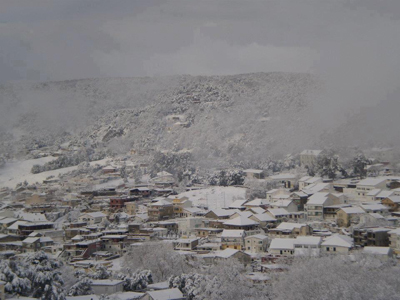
(98,223)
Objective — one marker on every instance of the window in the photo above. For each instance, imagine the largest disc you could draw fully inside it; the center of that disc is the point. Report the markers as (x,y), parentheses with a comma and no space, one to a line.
(248,248)
(327,249)
(334,248)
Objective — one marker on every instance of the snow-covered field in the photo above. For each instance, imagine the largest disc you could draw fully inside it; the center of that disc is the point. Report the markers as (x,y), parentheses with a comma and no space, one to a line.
(19,171)
(215,197)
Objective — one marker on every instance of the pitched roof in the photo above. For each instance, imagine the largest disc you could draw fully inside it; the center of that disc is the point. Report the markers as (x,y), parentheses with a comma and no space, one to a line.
(238,204)
(96,214)
(16,224)
(283,176)
(264,218)
(219,212)
(377,250)
(278,212)
(168,294)
(384,194)
(395,199)
(257,202)
(315,188)
(368,207)
(308,240)
(338,241)
(31,240)
(228,252)
(241,221)
(289,226)
(284,244)
(282,203)
(8,220)
(108,282)
(353,210)
(161,203)
(318,199)
(257,210)
(245,213)
(32,217)
(257,236)
(371,181)
(374,192)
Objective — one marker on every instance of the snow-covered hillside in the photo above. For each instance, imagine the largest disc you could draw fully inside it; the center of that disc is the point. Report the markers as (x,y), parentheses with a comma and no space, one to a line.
(222,118)
(15,172)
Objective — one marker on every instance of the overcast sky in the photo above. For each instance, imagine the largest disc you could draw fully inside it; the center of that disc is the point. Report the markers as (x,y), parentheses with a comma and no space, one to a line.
(354,45)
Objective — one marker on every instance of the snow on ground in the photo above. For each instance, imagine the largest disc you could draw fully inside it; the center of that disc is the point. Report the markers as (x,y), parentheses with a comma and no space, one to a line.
(18,171)
(215,197)
(116,264)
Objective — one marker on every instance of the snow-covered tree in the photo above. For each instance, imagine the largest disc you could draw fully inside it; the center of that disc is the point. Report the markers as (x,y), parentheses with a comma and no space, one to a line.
(159,258)
(101,272)
(191,285)
(137,281)
(359,164)
(45,277)
(224,280)
(328,164)
(227,178)
(82,287)
(339,277)
(36,275)
(16,283)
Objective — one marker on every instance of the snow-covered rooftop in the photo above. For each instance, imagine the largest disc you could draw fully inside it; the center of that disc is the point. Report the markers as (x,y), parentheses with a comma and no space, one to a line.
(377,250)
(318,199)
(240,221)
(353,210)
(282,244)
(371,181)
(168,294)
(308,240)
(338,241)
(278,212)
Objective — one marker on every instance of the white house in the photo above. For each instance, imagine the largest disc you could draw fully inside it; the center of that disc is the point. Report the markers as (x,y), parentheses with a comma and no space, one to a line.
(366,185)
(384,252)
(337,244)
(168,294)
(309,157)
(107,286)
(92,217)
(280,246)
(307,246)
(289,205)
(256,243)
(316,203)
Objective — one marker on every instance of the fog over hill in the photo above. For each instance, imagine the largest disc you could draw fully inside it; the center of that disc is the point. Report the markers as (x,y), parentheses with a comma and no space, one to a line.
(244,116)
(221,119)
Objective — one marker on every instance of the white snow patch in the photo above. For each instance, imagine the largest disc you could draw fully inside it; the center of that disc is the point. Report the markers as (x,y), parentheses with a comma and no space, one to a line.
(18,171)
(215,197)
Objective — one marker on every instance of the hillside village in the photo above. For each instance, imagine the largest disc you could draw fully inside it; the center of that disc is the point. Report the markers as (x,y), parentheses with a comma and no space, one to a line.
(94,221)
